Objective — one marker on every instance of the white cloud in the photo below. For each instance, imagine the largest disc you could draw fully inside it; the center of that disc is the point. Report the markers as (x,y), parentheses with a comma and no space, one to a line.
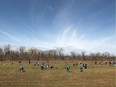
(10,36)
(26,41)
(106,44)
(69,37)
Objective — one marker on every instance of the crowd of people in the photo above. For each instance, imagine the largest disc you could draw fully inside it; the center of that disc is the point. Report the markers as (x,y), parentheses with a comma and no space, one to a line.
(44,66)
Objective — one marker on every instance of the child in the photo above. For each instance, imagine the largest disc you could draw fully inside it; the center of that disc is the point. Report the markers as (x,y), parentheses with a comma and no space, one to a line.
(42,66)
(85,66)
(21,69)
(68,67)
(81,67)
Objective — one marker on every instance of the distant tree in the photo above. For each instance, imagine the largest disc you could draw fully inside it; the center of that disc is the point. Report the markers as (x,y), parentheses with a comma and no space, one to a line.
(22,49)
(1,50)
(55,54)
(21,54)
(7,48)
(7,51)
(83,55)
(98,56)
(73,54)
(60,53)
(1,53)
(106,56)
(33,53)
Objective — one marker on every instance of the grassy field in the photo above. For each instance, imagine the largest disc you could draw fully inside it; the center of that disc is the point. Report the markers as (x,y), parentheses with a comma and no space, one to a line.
(94,76)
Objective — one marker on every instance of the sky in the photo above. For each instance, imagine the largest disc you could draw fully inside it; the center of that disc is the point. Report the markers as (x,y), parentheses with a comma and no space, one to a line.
(78,24)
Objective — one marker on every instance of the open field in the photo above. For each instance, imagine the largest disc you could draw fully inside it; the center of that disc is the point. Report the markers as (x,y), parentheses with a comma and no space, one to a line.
(93,76)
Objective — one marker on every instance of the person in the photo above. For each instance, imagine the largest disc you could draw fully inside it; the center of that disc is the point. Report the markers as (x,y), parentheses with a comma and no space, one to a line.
(51,67)
(34,64)
(19,61)
(105,63)
(29,61)
(21,69)
(110,63)
(42,66)
(85,66)
(74,65)
(95,62)
(48,66)
(68,67)
(81,67)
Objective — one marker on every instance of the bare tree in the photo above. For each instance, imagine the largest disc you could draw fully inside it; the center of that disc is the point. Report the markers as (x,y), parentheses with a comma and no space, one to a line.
(7,51)
(73,54)
(83,55)
(21,50)
(1,50)
(52,54)
(60,53)
(1,53)
(32,52)
(98,56)
(106,56)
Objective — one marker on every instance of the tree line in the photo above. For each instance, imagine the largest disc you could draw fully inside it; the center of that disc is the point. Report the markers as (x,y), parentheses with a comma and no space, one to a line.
(6,53)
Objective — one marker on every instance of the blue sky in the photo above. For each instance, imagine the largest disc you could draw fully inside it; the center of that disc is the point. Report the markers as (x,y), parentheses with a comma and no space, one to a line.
(80,24)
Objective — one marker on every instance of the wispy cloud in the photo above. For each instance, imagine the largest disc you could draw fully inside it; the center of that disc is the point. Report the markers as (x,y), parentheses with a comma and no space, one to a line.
(37,11)
(69,37)
(26,41)
(106,44)
(14,38)
(37,43)
(108,41)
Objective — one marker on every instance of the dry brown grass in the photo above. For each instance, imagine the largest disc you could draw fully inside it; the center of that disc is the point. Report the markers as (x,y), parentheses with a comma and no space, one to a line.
(94,76)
